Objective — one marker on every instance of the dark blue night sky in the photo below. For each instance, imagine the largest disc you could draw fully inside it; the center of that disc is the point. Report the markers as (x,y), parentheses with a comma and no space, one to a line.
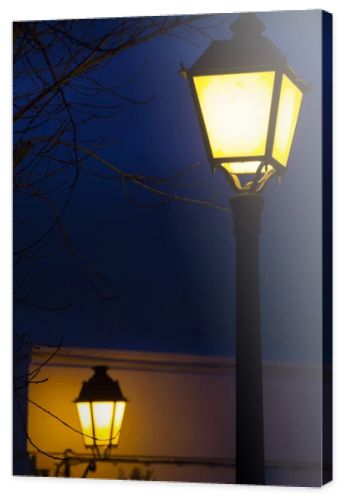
(173,266)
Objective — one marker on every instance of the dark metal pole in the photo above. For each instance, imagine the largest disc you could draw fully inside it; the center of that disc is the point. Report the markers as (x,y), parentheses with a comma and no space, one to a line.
(250,466)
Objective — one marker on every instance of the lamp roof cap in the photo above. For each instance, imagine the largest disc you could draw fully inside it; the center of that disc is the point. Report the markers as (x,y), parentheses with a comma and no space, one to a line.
(100,387)
(247,48)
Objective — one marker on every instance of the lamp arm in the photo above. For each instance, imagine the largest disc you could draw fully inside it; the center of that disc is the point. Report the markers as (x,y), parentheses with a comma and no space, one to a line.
(91,467)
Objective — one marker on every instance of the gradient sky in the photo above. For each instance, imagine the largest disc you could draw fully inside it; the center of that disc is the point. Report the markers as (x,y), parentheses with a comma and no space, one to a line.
(173,266)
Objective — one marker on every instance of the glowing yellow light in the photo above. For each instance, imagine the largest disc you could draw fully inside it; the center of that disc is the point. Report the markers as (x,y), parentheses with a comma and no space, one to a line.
(117,422)
(245,167)
(236,112)
(85,416)
(101,422)
(287,117)
(103,419)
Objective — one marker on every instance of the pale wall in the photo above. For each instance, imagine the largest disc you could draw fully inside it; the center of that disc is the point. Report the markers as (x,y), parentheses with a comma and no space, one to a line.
(181,406)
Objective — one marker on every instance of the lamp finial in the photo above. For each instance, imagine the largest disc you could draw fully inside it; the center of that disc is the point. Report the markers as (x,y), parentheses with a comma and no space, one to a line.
(247,25)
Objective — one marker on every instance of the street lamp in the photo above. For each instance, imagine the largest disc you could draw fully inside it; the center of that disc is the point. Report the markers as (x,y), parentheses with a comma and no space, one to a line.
(101,406)
(248,102)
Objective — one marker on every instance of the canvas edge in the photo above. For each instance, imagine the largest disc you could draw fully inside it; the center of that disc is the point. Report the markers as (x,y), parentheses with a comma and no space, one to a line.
(327,209)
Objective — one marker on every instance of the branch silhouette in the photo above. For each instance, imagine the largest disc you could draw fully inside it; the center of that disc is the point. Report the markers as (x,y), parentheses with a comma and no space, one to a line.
(57,93)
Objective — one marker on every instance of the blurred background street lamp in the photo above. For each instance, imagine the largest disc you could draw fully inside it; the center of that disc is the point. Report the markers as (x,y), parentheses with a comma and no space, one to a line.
(101,407)
(248,102)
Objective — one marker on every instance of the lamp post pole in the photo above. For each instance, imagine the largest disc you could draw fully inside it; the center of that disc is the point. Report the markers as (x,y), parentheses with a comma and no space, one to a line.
(248,101)
(250,467)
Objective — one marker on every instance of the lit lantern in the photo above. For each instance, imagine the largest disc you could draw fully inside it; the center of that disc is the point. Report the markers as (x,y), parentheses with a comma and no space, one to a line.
(248,100)
(101,407)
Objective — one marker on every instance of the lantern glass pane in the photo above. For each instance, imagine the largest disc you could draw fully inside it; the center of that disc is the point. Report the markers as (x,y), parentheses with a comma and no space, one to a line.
(85,416)
(244,167)
(117,421)
(287,117)
(103,419)
(236,111)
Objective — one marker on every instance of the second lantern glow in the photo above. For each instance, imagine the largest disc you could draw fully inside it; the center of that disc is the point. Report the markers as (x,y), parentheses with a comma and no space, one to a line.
(101,406)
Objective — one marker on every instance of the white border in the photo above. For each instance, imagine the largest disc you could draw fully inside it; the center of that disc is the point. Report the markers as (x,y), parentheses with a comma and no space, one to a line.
(32,488)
